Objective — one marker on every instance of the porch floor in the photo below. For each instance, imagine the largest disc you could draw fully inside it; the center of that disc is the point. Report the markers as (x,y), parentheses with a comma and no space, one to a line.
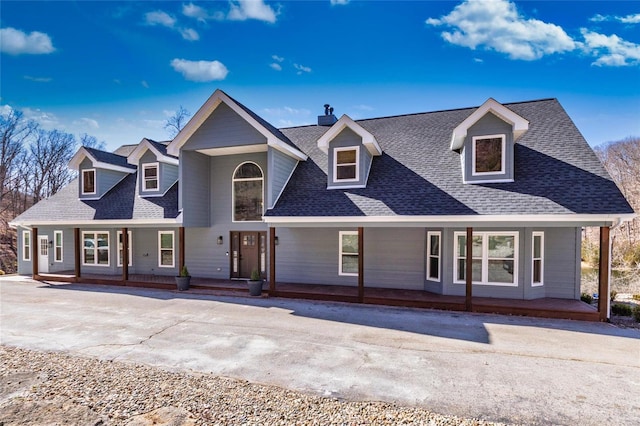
(545,307)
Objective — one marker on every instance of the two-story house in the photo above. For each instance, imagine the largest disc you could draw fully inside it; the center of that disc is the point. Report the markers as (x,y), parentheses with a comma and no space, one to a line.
(475,202)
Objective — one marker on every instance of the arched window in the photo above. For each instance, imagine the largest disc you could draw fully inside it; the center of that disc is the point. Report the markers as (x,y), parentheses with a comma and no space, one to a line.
(247,193)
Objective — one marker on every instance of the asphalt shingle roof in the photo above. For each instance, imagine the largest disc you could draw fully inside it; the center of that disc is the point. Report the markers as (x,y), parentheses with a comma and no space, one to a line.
(109,157)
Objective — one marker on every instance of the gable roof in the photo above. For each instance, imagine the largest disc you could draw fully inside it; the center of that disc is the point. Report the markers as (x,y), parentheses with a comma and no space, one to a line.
(275,138)
(158,149)
(519,124)
(419,178)
(368,140)
(101,159)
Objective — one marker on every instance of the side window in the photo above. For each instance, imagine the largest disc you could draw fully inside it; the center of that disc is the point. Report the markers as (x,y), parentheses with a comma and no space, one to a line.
(26,246)
(346,166)
(88,181)
(247,195)
(166,252)
(488,155)
(150,177)
(57,246)
(495,258)
(120,248)
(95,248)
(433,255)
(348,260)
(537,270)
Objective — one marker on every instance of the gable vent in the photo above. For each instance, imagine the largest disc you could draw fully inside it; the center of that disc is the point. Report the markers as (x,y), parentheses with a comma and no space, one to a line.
(328,119)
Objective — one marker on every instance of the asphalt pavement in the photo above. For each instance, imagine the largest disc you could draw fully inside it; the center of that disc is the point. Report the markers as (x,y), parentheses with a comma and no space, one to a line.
(499,368)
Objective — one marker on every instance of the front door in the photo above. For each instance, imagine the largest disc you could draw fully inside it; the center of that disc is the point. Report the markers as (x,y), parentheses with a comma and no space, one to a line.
(248,253)
(43,253)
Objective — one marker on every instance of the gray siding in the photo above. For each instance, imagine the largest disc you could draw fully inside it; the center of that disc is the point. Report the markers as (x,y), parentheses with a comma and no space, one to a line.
(105,179)
(348,138)
(280,168)
(168,176)
(167,173)
(224,128)
(146,253)
(561,279)
(489,125)
(194,191)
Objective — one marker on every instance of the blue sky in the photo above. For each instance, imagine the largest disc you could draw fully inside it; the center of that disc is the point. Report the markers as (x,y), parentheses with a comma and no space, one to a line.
(117,70)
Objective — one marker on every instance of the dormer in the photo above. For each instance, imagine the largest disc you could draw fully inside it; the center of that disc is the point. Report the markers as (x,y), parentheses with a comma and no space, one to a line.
(350,149)
(98,171)
(158,171)
(485,141)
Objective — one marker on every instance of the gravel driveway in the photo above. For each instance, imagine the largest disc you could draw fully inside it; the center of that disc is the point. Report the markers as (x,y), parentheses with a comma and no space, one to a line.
(495,368)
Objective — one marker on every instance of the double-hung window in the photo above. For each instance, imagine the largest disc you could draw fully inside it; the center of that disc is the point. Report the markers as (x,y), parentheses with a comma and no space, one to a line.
(121,248)
(495,258)
(150,177)
(537,261)
(433,255)
(95,248)
(26,246)
(57,246)
(346,165)
(166,256)
(488,155)
(348,260)
(88,181)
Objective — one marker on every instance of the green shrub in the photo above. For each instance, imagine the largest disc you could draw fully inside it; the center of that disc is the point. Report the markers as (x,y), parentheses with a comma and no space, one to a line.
(184,272)
(586,298)
(636,313)
(255,275)
(621,309)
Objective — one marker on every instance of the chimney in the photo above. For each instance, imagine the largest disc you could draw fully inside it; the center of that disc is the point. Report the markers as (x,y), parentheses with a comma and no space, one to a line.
(328,119)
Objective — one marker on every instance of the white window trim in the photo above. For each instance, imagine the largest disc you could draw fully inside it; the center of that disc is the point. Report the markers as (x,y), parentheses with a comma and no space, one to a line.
(95,257)
(157,178)
(26,247)
(340,254)
(118,236)
(335,164)
(473,155)
(95,181)
(233,192)
(173,249)
(439,256)
(541,258)
(485,257)
(55,246)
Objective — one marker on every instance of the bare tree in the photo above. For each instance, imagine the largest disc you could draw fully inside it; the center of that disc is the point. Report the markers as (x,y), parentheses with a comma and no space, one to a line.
(50,153)
(14,131)
(91,142)
(177,121)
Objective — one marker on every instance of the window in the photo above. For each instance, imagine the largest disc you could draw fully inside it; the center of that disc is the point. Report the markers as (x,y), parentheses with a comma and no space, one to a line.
(345,164)
(57,246)
(95,248)
(166,252)
(247,193)
(348,253)
(488,155)
(537,254)
(494,260)
(89,181)
(433,256)
(26,246)
(120,247)
(150,177)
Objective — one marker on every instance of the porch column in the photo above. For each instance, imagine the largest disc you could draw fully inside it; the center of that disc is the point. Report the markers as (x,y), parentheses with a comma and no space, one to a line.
(468,272)
(361,264)
(76,250)
(35,251)
(125,254)
(604,269)
(272,260)
(180,249)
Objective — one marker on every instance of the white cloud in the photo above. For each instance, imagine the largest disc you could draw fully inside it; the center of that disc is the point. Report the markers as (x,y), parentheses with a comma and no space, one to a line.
(159,17)
(286,110)
(189,34)
(87,123)
(277,58)
(38,79)
(339,2)
(241,10)
(629,19)
(45,119)
(497,25)
(16,42)
(301,68)
(144,84)
(194,11)
(200,71)
(610,50)
(276,66)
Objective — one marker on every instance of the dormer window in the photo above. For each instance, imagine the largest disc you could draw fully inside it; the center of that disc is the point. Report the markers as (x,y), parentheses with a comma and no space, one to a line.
(488,155)
(150,177)
(345,164)
(88,181)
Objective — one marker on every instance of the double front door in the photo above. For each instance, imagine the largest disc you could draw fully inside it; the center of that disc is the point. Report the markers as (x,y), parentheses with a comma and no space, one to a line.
(248,253)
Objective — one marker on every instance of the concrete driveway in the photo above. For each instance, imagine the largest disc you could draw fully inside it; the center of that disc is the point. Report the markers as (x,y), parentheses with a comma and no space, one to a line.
(510,369)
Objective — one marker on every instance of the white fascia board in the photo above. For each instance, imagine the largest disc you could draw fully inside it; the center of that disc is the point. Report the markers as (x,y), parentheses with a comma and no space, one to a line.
(519,124)
(460,219)
(287,149)
(145,145)
(233,150)
(98,223)
(100,165)
(368,140)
